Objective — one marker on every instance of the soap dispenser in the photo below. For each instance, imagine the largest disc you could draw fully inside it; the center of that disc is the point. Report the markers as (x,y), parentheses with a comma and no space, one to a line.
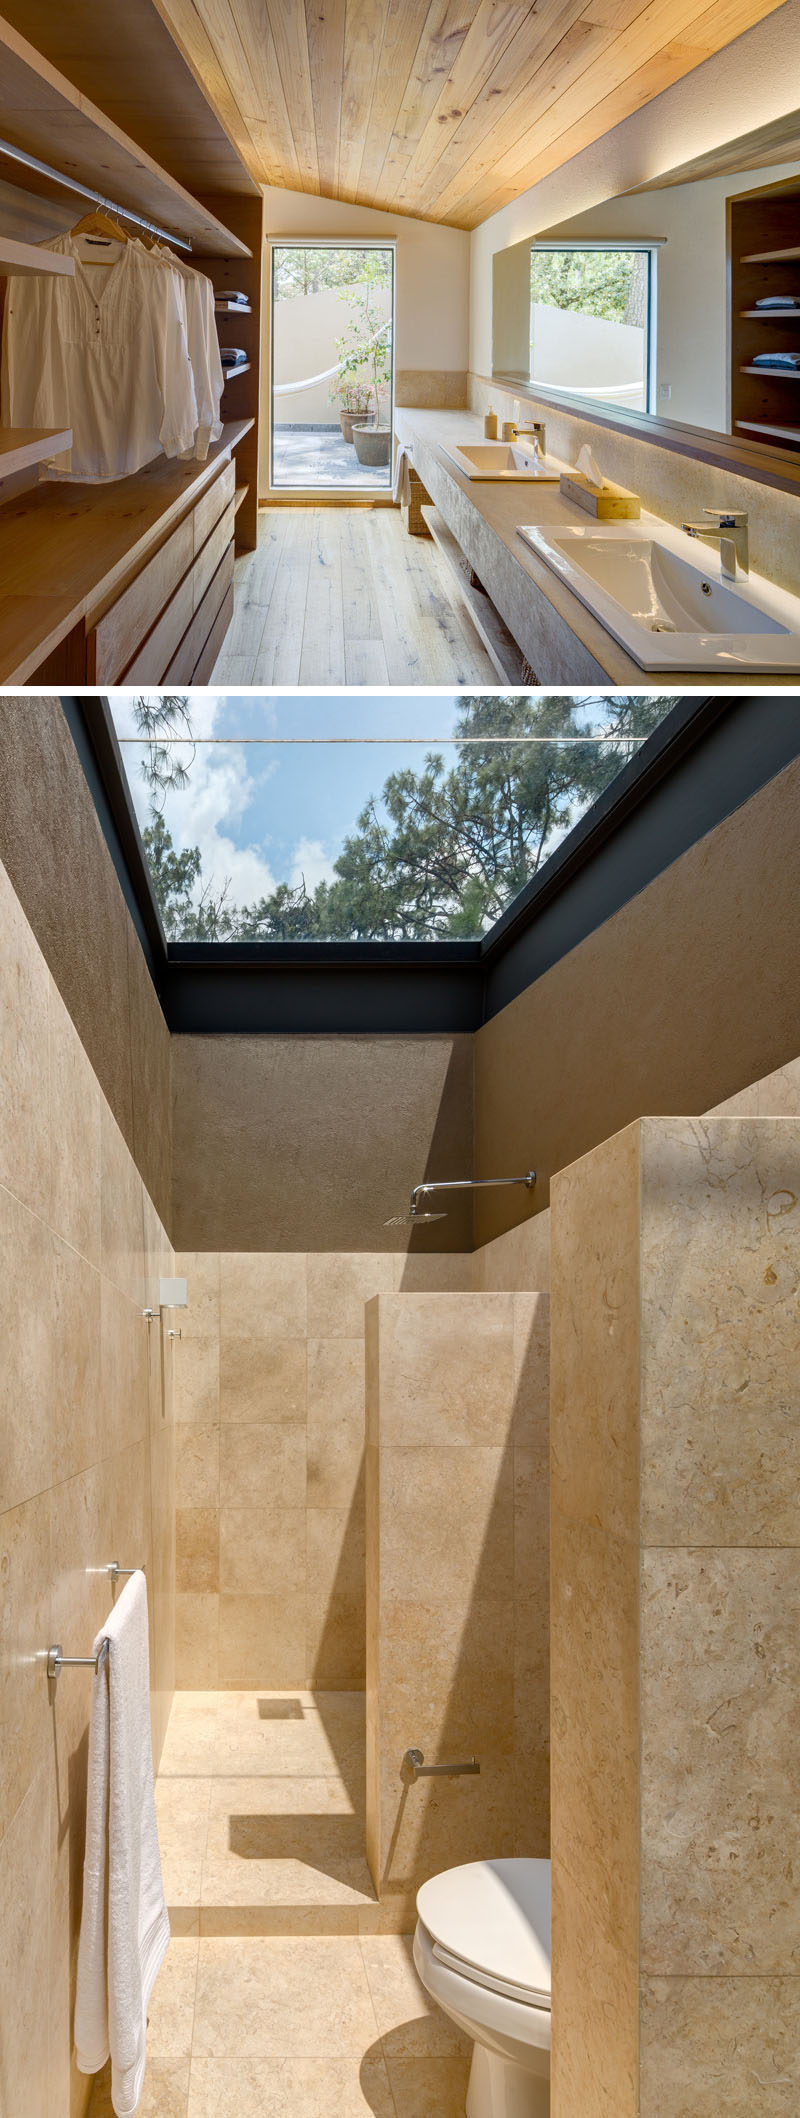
(490,425)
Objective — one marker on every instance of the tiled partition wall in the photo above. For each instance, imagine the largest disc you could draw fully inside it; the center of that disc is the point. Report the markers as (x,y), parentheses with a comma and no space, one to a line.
(86,1476)
(457,1582)
(676,1622)
(270,1476)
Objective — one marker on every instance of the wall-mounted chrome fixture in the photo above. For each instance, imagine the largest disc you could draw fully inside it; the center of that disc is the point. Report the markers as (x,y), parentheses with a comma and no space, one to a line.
(414,1768)
(419,1212)
(56,1661)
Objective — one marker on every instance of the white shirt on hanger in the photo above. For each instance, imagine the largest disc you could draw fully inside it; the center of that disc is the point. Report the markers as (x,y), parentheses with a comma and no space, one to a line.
(106,354)
(203,340)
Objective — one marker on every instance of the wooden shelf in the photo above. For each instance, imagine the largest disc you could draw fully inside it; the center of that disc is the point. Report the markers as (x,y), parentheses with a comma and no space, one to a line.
(758,426)
(240,495)
(772,257)
(233,432)
(774,374)
(27,259)
(230,372)
(21,447)
(44,114)
(232,309)
(772,316)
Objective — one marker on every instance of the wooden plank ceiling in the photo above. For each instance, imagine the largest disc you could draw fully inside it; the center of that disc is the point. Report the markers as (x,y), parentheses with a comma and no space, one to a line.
(446,109)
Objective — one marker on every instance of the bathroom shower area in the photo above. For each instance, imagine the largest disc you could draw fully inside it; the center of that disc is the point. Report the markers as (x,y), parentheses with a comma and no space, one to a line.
(441,1382)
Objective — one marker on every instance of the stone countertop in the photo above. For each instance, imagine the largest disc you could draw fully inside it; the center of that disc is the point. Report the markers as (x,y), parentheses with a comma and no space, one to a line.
(563,642)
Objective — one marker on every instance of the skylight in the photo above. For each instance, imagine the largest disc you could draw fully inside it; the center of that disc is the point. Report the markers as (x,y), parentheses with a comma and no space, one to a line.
(416,817)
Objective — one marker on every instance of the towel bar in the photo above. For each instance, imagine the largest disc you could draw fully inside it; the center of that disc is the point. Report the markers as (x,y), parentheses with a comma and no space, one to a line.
(414,1768)
(56,1661)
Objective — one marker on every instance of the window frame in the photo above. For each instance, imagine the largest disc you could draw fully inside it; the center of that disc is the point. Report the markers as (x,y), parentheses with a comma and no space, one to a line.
(650,249)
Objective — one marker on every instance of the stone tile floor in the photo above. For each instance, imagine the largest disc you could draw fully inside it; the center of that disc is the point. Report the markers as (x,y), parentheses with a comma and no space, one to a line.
(315,456)
(261,1802)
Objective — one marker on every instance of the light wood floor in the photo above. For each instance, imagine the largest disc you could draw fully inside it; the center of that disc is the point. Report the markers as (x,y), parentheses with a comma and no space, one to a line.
(343,595)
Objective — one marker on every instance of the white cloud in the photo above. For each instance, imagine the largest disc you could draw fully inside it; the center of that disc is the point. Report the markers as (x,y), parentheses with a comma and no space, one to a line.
(310,864)
(222,783)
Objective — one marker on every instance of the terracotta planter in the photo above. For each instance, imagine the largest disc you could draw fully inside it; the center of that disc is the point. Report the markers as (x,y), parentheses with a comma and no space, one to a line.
(373,444)
(347,421)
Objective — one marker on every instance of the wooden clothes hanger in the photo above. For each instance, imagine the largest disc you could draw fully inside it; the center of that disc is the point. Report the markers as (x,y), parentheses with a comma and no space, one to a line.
(100,223)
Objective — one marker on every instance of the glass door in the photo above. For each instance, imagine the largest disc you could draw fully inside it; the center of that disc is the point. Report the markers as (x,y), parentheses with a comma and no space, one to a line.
(332,366)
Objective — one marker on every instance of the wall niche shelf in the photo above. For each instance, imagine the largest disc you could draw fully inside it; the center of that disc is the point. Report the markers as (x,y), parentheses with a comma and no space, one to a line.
(769,316)
(773,257)
(757,426)
(27,260)
(774,374)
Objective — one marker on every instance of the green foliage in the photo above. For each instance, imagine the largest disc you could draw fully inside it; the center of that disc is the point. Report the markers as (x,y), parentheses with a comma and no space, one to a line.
(609,283)
(363,349)
(162,769)
(440,853)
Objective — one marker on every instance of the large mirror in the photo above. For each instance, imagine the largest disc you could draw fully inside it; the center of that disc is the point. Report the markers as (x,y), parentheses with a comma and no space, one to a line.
(678,302)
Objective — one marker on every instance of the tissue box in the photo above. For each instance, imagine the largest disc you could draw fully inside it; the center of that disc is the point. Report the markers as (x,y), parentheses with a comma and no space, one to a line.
(608,503)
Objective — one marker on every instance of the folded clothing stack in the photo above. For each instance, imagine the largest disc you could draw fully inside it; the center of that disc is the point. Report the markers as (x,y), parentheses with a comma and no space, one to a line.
(233,357)
(778,301)
(778,363)
(234,300)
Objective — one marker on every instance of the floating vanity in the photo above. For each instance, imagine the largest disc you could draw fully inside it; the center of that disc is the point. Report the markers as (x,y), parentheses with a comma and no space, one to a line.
(584,600)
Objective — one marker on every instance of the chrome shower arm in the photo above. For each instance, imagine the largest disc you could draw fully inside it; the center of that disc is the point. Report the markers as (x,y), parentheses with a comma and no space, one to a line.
(470,1184)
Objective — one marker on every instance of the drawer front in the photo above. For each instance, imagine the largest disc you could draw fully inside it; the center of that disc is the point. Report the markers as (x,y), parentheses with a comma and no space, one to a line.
(205,565)
(212,504)
(204,668)
(114,640)
(182,666)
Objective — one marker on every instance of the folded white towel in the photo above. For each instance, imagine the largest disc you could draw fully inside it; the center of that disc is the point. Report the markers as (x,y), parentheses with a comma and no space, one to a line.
(403,462)
(124,1921)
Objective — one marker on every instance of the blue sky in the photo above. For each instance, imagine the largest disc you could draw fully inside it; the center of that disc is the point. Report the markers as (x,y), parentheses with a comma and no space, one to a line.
(262,814)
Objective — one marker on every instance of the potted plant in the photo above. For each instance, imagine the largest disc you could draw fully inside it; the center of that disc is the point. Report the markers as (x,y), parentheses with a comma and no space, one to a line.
(354,402)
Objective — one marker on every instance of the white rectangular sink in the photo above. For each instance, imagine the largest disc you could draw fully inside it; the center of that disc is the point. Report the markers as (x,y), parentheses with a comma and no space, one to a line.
(510,461)
(666,603)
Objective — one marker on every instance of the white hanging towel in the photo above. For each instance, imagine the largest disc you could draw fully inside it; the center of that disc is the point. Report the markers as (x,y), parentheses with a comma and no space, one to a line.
(124,1921)
(403,464)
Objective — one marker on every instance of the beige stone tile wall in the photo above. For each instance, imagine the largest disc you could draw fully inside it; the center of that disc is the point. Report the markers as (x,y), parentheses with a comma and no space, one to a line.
(457,1567)
(270,1472)
(675,1621)
(86,1476)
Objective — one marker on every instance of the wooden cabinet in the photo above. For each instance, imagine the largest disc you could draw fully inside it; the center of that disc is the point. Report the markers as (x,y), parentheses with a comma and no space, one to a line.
(140,634)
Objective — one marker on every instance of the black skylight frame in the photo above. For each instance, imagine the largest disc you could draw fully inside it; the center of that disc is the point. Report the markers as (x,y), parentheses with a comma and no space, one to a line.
(707,757)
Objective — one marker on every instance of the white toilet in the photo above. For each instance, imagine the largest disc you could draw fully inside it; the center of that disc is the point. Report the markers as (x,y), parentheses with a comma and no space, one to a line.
(482,1950)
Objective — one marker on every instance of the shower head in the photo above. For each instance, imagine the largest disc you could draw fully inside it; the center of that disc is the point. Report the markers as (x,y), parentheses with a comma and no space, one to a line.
(415,1213)
(419,1212)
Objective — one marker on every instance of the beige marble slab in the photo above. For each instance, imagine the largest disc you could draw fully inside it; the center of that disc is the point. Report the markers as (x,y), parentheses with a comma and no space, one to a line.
(263,1997)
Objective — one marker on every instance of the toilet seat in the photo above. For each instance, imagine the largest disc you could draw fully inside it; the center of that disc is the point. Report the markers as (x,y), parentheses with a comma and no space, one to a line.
(489,1923)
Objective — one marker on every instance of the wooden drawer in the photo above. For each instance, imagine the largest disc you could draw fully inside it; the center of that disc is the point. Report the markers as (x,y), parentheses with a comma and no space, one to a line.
(182,666)
(128,637)
(115,638)
(204,668)
(213,503)
(156,653)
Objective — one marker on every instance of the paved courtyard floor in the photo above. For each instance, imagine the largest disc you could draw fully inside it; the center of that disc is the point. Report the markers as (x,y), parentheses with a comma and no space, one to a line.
(320,456)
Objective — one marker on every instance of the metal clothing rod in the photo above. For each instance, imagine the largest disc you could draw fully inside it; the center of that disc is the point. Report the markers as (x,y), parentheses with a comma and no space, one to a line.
(124,213)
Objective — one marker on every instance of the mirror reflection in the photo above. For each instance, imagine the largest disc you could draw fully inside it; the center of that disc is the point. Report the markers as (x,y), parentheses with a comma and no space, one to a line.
(680,301)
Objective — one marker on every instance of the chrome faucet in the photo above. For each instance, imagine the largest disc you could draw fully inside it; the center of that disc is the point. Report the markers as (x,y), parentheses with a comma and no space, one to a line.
(730,526)
(536,432)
